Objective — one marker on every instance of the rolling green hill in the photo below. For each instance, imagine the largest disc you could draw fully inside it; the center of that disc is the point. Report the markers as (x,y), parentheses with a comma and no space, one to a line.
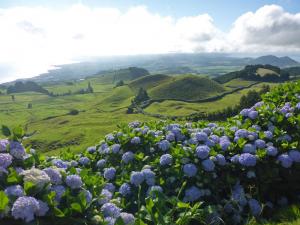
(188,87)
(148,82)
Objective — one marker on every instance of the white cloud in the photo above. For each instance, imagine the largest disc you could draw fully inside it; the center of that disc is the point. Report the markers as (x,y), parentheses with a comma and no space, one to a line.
(34,38)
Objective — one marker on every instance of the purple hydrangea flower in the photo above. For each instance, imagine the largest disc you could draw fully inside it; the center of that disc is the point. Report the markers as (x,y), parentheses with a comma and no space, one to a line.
(245,112)
(192,194)
(208,165)
(25,208)
(170,137)
(125,189)
(88,196)
(294,155)
(164,145)
(224,144)
(166,159)
(3,145)
(137,178)
(110,209)
(127,157)
(17,150)
(242,133)
(5,160)
(247,159)
(190,169)
(109,173)
(238,194)
(91,149)
(55,176)
(202,151)
(60,163)
(74,181)
(285,160)
(128,218)
(14,190)
(235,159)
(255,207)
(268,134)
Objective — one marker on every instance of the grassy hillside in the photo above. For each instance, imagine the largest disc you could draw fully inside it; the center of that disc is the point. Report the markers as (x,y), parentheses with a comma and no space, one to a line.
(148,82)
(263,72)
(188,87)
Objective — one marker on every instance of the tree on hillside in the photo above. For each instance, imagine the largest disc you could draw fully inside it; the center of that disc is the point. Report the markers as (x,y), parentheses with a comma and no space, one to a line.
(120,83)
(141,96)
(90,88)
(13,98)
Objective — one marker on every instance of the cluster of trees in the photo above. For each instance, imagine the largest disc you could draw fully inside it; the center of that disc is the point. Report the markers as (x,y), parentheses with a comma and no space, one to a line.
(120,83)
(20,86)
(250,73)
(141,96)
(246,101)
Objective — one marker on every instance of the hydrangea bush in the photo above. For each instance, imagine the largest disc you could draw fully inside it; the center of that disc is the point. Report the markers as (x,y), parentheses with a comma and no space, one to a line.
(163,173)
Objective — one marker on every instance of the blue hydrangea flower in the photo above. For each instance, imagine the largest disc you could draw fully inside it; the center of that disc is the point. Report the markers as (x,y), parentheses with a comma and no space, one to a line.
(201,136)
(137,178)
(202,151)
(55,176)
(110,186)
(43,208)
(59,163)
(268,134)
(245,112)
(166,159)
(17,150)
(294,155)
(153,189)
(84,161)
(74,181)
(59,191)
(101,163)
(238,194)
(109,173)
(207,130)
(272,151)
(208,165)
(127,157)
(249,148)
(115,148)
(255,207)
(260,143)
(242,133)
(247,159)
(190,169)
(5,160)
(298,105)
(25,208)
(14,190)
(88,196)
(109,137)
(170,137)
(105,196)
(125,189)
(149,176)
(253,114)
(220,159)
(110,210)
(164,145)
(3,145)
(285,160)
(192,194)
(235,159)
(135,140)
(128,218)
(214,138)
(91,149)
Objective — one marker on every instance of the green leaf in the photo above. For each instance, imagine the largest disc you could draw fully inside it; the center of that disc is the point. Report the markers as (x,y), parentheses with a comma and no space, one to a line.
(13,177)
(183,205)
(6,131)
(18,132)
(4,200)
(76,207)
(58,212)
(82,199)
(28,186)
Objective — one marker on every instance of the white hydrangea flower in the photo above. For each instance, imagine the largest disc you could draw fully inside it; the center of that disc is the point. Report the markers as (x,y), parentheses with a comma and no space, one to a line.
(38,177)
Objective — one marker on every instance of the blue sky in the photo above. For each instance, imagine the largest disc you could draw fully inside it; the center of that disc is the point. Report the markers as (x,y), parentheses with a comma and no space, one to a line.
(224,12)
